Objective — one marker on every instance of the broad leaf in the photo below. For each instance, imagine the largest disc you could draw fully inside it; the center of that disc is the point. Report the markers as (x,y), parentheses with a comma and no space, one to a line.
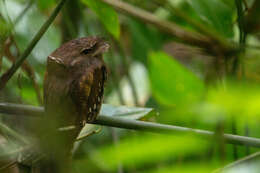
(124,111)
(134,113)
(144,39)
(106,14)
(173,84)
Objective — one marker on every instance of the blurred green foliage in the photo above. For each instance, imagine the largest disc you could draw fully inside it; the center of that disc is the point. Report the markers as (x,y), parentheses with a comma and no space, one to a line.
(216,14)
(148,149)
(236,99)
(188,85)
(43,5)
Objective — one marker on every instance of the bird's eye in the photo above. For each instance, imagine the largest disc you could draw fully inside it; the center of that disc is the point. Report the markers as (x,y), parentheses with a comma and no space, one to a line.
(89,50)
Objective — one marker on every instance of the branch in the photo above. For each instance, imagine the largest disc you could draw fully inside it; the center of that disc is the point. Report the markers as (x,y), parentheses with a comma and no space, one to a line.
(209,32)
(10,72)
(238,66)
(175,30)
(125,123)
(26,67)
(242,34)
(6,129)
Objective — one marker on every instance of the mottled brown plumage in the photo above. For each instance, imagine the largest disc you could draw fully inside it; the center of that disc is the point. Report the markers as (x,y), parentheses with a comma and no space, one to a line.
(73,90)
(74,81)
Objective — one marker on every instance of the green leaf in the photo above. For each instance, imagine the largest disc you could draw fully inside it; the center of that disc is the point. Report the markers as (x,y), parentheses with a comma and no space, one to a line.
(171,83)
(106,14)
(45,4)
(143,38)
(216,14)
(124,111)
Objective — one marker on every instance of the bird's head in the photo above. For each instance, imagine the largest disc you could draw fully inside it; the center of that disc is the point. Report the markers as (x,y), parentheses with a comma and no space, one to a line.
(78,51)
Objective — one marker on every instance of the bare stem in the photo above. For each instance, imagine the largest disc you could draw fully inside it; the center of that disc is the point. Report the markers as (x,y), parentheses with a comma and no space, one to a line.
(11,132)
(10,72)
(238,65)
(125,62)
(26,67)
(182,34)
(20,16)
(16,109)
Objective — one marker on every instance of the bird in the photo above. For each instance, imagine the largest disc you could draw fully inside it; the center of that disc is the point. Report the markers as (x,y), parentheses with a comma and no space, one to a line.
(73,93)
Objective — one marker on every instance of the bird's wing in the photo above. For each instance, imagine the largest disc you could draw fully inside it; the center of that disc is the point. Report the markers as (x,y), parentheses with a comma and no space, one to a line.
(87,93)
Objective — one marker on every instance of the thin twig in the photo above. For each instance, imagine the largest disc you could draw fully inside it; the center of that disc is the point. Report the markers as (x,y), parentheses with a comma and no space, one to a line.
(20,16)
(9,165)
(126,64)
(220,140)
(21,110)
(234,131)
(11,132)
(15,151)
(242,34)
(2,40)
(16,109)
(242,42)
(9,73)
(247,133)
(6,50)
(25,67)
(115,137)
(115,79)
(1,58)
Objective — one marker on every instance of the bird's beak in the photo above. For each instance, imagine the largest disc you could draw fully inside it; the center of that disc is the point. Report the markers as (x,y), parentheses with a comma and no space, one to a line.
(102,48)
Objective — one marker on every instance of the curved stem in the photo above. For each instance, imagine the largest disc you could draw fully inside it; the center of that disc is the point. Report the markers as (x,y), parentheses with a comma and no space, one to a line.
(10,72)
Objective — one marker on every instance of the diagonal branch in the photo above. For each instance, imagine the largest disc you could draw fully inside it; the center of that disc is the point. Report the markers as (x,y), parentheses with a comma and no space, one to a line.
(190,37)
(125,123)
(10,72)
(203,29)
